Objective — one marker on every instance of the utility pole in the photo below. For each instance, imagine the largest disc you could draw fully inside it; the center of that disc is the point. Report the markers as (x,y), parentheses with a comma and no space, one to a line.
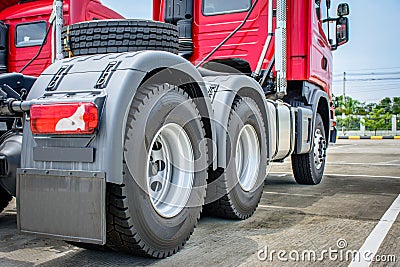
(344,93)
(344,87)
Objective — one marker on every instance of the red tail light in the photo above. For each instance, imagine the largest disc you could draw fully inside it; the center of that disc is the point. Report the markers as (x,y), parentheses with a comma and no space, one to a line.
(64,118)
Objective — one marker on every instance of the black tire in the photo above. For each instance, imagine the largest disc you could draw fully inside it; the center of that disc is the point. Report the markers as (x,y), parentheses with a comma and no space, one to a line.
(116,36)
(226,197)
(305,168)
(133,224)
(5,199)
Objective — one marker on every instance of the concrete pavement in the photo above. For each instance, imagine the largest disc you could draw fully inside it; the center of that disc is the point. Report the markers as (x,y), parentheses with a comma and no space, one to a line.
(362,181)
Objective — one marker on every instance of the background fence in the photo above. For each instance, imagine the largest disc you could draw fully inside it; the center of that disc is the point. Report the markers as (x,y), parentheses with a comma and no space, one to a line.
(353,125)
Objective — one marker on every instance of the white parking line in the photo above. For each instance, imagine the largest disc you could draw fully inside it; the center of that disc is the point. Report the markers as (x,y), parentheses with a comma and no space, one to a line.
(289,194)
(377,236)
(280,174)
(340,175)
(362,175)
(361,163)
(358,163)
(341,146)
(390,161)
(278,207)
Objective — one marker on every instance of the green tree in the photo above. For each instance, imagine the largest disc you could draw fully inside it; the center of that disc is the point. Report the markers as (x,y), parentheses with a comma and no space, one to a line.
(396,106)
(377,119)
(348,106)
(368,108)
(350,122)
(386,104)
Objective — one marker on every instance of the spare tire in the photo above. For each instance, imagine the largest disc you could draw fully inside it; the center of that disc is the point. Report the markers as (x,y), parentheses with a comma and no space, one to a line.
(117,36)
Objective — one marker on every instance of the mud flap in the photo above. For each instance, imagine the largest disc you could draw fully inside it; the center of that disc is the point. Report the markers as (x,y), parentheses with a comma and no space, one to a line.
(66,205)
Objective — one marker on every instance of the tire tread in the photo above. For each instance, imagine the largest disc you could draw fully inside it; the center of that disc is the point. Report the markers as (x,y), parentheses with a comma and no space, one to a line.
(302,169)
(118,36)
(224,206)
(121,233)
(302,165)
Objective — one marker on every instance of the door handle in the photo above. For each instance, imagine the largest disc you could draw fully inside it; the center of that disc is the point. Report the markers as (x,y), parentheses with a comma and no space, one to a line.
(324,63)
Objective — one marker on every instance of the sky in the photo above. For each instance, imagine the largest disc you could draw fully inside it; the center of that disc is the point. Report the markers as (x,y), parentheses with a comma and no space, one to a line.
(371,59)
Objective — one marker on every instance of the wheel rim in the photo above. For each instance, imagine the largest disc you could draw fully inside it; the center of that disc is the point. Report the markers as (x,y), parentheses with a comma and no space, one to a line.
(170,170)
(247,157)
(319,149)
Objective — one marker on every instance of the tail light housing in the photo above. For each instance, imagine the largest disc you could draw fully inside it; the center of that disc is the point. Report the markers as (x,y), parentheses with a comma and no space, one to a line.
(64,118)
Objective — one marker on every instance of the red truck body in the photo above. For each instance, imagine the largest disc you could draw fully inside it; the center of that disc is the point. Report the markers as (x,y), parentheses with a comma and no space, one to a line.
(309,52)
(15,13)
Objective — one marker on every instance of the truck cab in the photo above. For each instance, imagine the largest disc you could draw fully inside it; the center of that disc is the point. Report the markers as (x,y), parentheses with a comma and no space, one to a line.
(309,35)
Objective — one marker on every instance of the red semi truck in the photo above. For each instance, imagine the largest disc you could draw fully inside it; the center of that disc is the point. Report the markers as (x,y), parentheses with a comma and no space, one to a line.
(145,124)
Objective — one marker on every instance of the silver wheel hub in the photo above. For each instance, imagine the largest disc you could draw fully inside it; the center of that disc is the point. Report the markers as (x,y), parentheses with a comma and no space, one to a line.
(170,170)
(248,154)
(319,149)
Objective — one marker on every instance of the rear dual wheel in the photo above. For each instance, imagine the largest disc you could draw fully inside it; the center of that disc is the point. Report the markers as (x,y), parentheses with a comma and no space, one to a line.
(154,212)
(235,194)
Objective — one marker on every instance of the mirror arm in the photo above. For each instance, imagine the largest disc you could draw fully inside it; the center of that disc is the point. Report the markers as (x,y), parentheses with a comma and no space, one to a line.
(329,20)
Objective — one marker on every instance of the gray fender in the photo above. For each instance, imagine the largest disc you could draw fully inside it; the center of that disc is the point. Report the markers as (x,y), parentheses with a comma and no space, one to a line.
(126,77)
(319,102)
(224,90)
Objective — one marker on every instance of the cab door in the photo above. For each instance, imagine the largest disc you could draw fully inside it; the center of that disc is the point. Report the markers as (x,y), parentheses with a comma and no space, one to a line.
(321,55)
(214,20)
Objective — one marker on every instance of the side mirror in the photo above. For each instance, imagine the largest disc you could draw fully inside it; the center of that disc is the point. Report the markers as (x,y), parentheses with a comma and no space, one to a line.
(342,31)
(343,10)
